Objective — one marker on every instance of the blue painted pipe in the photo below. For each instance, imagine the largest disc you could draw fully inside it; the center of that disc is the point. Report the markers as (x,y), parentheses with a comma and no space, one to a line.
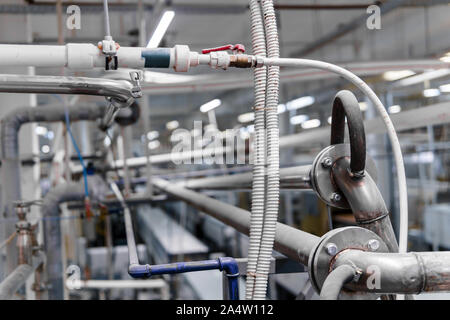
(226,264)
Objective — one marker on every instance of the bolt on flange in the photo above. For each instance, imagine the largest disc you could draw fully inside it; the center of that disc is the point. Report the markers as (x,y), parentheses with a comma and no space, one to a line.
(331,248)
(373,244)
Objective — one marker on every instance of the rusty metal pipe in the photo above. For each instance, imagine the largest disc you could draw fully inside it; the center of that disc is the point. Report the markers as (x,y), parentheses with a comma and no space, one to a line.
(410,273)
(365,201)
(346,105)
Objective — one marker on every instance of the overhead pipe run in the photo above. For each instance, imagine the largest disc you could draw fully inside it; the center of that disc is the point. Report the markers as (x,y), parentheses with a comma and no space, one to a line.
(290,178)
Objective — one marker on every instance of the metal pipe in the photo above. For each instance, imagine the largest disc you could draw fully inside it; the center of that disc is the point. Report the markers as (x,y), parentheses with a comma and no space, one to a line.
(292,242)
(412,272)
(119,90)
(335,281)
(226,264)
(137,270)
(346,106)
(17,278)
(9,141)
(52,231)
(117,284)
(366,202)
(290,178)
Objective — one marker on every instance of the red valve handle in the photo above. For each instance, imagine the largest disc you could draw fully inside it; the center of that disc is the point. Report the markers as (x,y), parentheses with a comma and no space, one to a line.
(238,47)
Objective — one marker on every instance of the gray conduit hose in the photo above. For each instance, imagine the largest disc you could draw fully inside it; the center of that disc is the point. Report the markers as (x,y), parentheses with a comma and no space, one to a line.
(52,231)
(273,156)
(335,281)
(258,186)
(18,277)
(9,136)
(9,140)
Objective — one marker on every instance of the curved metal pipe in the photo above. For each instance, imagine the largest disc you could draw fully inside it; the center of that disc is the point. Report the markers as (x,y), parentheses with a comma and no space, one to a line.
(9,141)
(335,281)
(345,105)
(409,273)
(52,231)
(366,202)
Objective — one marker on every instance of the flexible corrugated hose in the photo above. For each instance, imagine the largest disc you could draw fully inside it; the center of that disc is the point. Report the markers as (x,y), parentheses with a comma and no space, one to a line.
(258,187)
(273,156)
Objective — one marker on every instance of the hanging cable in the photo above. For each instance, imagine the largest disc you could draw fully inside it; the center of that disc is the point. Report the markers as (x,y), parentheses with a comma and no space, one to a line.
(83,165)
(396,148)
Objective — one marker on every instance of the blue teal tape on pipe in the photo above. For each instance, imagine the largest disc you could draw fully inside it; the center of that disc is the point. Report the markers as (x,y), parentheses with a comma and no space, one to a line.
(156,58)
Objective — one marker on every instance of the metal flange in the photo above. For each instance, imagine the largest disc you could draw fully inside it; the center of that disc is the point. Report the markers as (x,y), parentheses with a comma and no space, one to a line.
(322,179)
(321,258)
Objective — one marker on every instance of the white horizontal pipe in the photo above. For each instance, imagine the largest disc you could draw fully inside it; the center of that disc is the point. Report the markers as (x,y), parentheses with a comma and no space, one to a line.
(76,56)
(116,284)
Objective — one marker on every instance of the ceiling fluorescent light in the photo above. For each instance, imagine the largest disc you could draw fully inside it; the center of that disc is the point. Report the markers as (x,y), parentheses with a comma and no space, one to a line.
(246,117)
(430,75)
(210,105)
(313,123)
(154,144)
(397,75)
(429,93)
(445,88)
(161,29)
(445,57)
(299,119)
(395,109)
(172,125)
(300,103)
(152,135)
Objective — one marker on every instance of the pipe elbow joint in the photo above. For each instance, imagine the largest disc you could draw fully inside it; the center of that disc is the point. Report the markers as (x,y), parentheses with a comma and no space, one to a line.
(139,271)
(229,265)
